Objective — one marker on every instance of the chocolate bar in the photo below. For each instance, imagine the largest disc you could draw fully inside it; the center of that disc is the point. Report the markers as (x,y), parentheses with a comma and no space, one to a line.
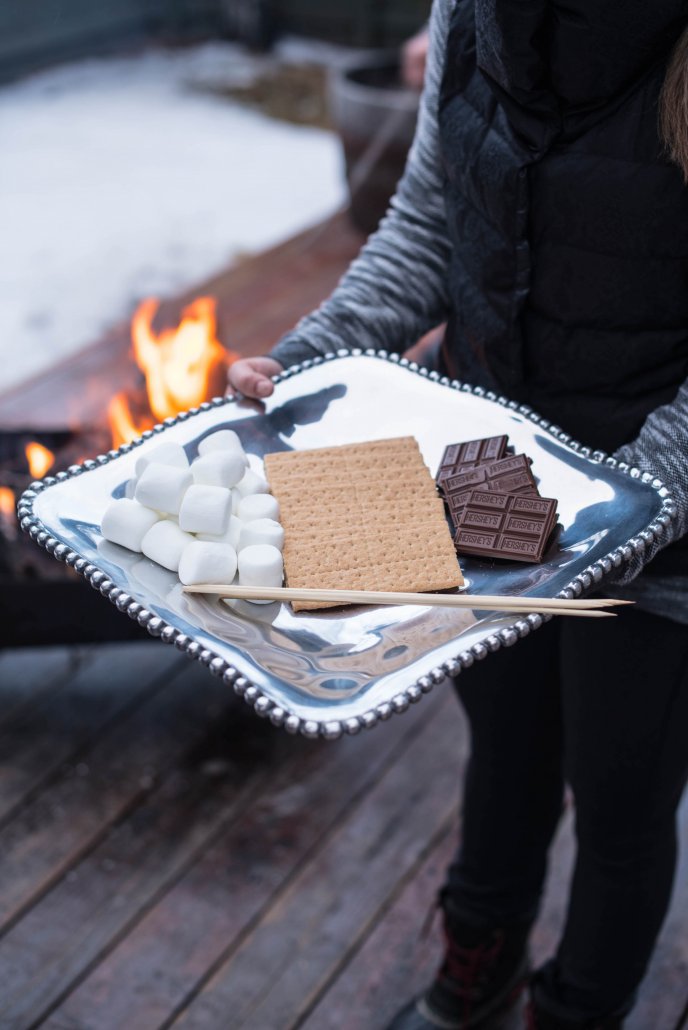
(498,525)
(507,476)
(459,456)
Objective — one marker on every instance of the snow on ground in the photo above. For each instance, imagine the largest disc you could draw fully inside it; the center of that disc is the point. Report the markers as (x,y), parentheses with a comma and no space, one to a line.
(121,178)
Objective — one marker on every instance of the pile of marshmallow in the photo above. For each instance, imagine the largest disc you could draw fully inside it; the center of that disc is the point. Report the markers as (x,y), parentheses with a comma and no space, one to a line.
(209,521)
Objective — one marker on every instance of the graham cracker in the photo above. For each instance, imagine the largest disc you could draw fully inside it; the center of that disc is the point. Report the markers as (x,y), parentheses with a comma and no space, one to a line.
(362,516)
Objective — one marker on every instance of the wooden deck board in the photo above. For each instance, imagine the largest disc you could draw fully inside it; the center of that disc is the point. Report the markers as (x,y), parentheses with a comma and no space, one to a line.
(27,678)
(168,956)
(395,962)
(48,833)
(288,959)
(212,872)
(158,787)
(40,740)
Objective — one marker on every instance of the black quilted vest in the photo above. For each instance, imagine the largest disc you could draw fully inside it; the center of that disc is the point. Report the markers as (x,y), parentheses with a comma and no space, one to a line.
(569,274)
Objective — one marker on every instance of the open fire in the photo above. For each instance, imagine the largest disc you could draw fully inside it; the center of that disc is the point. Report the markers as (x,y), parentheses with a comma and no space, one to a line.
(183,366)
(8,523)
(39,459)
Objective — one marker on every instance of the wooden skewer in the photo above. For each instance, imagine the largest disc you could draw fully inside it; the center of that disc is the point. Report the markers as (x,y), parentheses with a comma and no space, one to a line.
(587,607)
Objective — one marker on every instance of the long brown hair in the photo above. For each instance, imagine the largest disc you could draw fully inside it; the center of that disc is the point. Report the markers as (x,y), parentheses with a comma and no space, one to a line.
(673,106)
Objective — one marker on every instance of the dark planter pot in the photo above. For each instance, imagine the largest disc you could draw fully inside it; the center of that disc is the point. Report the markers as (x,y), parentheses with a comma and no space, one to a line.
(375,117)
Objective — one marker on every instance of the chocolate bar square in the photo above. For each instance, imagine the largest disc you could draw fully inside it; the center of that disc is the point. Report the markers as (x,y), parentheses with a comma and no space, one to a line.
(460,456)
(508,476)
(512,526)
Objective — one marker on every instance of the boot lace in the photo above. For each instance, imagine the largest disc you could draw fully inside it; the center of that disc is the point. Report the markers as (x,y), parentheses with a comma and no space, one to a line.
(465,970)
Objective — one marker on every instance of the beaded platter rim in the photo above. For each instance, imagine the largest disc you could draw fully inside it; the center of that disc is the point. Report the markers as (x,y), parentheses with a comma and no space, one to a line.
(264,706)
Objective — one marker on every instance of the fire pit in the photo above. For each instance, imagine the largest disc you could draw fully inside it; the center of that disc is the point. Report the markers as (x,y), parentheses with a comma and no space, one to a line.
(42,602)
(261,297)
(47,603)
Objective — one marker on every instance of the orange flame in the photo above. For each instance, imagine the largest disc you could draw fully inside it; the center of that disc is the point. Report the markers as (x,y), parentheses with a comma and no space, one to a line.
(7,503)
(123,427)
(183,366)
(40,459)
(180,363)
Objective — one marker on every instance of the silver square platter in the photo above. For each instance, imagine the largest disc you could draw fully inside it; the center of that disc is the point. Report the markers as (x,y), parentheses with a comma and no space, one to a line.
(338,671)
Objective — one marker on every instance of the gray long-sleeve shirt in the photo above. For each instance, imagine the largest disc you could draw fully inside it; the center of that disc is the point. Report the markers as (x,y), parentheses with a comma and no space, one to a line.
(396,290)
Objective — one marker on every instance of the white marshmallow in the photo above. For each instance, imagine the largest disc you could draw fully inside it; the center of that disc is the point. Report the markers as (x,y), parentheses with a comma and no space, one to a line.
(205,509)
(164,543)
(261,531)
(126,522)
(252,483)
(260,565)
(231,535)
(258,506)
(204,562)
(218,469)
(163,486)
(222,440)
(165,453)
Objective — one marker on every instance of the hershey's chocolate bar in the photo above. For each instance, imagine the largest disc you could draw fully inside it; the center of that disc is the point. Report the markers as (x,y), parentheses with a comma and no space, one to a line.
(458,456)
(498,525)
(492,472)
(507,476)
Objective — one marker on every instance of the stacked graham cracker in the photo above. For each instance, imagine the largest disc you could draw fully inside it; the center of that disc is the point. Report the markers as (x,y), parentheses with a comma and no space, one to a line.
(362,517)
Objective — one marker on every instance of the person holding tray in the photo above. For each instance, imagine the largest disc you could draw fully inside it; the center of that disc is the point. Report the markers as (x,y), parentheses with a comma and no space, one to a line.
(543,213)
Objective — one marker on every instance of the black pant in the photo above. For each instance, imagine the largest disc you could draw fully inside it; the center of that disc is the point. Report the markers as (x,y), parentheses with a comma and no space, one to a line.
(602,704)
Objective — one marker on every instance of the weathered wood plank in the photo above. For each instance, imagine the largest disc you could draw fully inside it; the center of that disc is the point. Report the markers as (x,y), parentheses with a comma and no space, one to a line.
(282,965)
(28,675)
(38,741)
(212,856)
(216,753)
(48,835)
(396,962)
(168,954)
